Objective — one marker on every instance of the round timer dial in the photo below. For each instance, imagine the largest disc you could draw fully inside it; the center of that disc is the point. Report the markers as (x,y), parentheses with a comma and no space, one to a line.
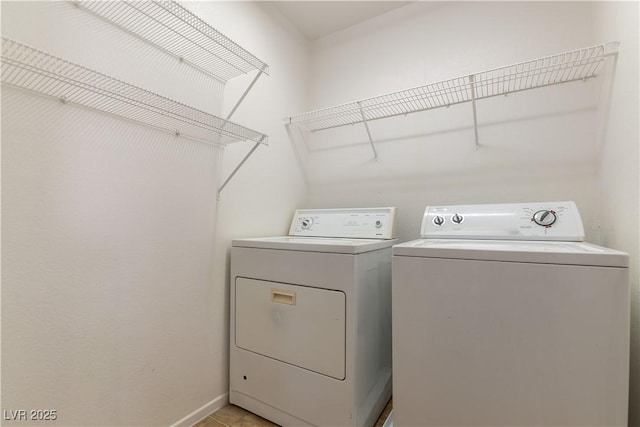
(545,217)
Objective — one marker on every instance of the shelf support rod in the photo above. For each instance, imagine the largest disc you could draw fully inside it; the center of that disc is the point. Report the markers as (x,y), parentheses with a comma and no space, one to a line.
(246,91)
(244,159)
(256,145)
(366,126)
(473,103)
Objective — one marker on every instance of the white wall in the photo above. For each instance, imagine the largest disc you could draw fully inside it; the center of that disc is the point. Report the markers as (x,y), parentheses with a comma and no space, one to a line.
(618,129)
(114,308)
(536,145)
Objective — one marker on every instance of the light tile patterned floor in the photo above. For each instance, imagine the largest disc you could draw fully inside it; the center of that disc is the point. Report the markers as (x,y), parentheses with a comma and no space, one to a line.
(234,416)
(385,413)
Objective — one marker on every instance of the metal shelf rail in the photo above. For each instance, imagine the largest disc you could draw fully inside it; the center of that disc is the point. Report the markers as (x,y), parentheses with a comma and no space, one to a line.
(36,71)
(176,31)
(575,65)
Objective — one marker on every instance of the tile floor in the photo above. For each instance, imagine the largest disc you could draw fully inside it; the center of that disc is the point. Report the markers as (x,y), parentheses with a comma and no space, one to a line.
(234,416)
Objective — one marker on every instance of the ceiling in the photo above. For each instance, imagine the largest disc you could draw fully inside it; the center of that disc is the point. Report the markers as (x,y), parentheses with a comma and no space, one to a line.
(316,19)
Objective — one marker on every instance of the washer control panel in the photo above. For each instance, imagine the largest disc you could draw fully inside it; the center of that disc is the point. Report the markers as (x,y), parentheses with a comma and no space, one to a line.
(366,223)
(517,221)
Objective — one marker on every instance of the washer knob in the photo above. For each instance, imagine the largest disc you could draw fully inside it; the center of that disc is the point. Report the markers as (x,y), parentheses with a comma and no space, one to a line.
(378,224)
(457,218)
(438,220)
(544,217)
(306,223)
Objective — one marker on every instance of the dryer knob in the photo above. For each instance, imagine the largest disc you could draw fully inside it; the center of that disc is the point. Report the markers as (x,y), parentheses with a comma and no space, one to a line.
(544,217)
(306,223)
(438,220)
(457,218)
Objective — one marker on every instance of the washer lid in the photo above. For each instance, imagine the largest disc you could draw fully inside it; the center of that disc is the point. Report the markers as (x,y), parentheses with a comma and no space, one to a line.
(542,252)
(315,244)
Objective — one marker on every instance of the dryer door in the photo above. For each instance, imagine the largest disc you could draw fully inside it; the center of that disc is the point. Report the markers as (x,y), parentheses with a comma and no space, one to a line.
(298,325)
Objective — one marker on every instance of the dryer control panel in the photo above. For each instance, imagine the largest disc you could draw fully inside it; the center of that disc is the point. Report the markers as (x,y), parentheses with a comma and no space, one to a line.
(517,221)
(365,223)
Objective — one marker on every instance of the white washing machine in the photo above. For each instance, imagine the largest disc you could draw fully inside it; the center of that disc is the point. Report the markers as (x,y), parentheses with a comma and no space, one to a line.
(503,317)
(310,339)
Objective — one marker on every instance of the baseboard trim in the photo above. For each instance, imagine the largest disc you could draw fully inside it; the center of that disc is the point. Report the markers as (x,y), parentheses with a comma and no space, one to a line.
(202,412)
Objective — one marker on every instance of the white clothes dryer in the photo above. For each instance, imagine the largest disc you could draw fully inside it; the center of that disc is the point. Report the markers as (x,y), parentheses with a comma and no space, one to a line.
(503,317)
(310,338)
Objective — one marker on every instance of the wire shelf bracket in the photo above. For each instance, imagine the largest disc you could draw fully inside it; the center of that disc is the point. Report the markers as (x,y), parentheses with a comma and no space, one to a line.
(36,71)
(244,159)
(475,114)
(256,145)
(571,66)
(366,126)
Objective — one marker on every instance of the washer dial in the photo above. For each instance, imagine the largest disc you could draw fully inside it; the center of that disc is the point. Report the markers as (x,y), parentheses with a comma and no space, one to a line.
(544,217)
(438,220)
(307,223)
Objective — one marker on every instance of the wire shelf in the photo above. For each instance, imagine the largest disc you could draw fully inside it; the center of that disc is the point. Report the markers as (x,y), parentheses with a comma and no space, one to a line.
(34,70)
(565,67)
(173,29)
